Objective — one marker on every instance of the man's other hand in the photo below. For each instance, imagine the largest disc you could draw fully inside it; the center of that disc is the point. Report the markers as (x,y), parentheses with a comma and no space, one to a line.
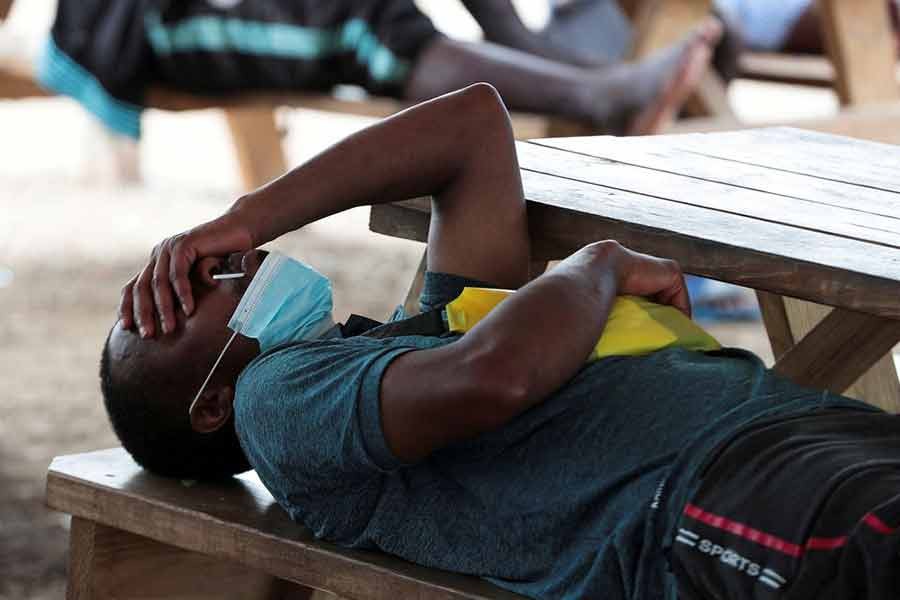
(659,279)
(164,280)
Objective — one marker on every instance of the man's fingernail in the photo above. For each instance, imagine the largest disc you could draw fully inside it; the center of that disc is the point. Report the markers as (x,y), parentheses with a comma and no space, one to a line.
(184,307)
(143,332)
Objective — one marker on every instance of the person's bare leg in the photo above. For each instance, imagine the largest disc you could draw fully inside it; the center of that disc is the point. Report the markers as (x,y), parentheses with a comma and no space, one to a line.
(501,25)
(626,98)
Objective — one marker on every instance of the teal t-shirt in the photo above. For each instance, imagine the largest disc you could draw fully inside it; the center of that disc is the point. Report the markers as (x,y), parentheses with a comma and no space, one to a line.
(574,498)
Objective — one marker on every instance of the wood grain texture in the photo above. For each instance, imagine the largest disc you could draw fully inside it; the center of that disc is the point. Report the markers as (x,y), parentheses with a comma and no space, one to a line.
(111,563)
(792,69)
(839,350)
(727,248)
(788,319)
(81,560)
(257,144)
(824,156)
(861,43)
(763,194)
(566,213)
(659,24)
(848,160)
(411,303)
(778,326)
(239,521)
(878,385)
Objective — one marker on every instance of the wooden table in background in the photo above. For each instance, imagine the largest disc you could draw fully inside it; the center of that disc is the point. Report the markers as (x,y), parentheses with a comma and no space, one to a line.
(787,212)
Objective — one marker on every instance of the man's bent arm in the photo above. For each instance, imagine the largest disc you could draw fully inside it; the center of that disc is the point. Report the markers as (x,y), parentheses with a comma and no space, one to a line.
(458,148)
(523,351)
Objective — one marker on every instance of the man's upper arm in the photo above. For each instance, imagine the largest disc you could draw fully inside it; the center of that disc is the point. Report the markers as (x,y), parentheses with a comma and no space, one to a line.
(479,226)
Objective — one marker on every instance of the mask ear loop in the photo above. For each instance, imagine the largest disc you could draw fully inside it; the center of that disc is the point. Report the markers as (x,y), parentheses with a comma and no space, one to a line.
(211,371)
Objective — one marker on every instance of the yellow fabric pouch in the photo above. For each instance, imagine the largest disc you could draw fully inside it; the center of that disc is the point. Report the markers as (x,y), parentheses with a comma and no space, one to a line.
(635,326)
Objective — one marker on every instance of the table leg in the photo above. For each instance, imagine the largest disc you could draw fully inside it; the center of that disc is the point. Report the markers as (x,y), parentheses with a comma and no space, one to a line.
(411,304)
(105,562)
(860,41)
(5,8)
(257,142)
(832,349)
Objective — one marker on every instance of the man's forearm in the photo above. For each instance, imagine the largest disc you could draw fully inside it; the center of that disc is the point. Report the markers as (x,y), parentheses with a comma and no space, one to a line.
(520,353)
(418,152)
(541,336)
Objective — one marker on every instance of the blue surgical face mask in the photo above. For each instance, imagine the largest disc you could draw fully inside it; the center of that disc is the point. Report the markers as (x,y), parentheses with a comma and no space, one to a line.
(287,301)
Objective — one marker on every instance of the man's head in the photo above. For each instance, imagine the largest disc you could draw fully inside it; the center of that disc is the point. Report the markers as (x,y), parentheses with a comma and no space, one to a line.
(148,384)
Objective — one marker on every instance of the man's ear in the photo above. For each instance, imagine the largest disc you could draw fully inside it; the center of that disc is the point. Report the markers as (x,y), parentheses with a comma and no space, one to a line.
(212,409)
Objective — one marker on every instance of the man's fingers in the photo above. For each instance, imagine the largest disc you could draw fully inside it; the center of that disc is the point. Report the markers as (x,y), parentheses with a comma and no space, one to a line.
(143,302)
(126,309)
(182,259)
(162,292)
(679,297)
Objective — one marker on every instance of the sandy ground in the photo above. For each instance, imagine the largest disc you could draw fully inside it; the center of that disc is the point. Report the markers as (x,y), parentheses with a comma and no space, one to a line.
(70,236)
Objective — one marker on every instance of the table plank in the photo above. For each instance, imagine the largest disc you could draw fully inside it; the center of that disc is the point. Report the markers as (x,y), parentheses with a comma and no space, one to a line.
(830,157)
(703,192)
(804,189)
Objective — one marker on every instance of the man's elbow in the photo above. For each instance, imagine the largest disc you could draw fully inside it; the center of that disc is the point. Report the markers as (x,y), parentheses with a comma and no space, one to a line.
(483,106)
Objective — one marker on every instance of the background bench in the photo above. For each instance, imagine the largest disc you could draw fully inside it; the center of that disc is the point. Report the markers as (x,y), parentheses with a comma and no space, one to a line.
(256,136)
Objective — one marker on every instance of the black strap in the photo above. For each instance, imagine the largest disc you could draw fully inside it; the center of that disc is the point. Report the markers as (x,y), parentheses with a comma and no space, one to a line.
(429,323)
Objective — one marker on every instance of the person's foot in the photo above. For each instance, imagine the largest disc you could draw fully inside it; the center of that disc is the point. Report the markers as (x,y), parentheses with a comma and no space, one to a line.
(643,98)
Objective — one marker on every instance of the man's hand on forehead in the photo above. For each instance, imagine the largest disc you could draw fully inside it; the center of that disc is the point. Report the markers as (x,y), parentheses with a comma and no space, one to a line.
(164,280)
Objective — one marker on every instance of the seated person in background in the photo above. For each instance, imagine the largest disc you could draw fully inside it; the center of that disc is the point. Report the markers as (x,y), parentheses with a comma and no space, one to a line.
(106,55)
(588,33)
(498,453)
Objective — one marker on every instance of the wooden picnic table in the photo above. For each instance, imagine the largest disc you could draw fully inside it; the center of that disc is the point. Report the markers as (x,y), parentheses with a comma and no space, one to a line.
(787,212)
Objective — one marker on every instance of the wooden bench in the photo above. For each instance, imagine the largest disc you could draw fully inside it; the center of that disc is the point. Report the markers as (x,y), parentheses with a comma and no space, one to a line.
(135,535)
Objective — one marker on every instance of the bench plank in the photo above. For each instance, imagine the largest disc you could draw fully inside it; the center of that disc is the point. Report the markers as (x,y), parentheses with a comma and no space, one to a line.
(240,521)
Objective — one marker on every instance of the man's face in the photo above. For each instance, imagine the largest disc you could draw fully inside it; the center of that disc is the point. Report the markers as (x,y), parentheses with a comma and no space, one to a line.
(193,346)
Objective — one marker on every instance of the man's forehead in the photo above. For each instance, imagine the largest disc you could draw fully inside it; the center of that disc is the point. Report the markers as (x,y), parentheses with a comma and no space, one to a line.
(126,345)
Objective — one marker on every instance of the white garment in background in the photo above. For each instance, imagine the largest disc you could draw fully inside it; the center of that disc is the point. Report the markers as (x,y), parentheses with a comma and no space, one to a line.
(765,24)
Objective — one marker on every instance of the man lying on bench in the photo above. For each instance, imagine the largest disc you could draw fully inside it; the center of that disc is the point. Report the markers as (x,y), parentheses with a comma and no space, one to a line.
(500,452)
